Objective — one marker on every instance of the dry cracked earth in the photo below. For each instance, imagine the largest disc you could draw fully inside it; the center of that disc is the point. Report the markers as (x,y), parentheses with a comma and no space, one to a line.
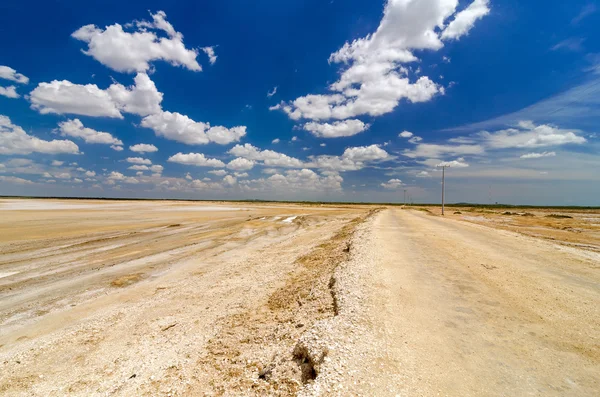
(164,298)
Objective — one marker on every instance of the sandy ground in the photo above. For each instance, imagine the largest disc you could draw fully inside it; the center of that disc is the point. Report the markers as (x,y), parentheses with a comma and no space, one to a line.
(144,298)
(170,298)
(572,227)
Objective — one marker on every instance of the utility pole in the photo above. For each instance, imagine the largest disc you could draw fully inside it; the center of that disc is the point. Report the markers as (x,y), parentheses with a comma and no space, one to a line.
(443,187)
(443,166)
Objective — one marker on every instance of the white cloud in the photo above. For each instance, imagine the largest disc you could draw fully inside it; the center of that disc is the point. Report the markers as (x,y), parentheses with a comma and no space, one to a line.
(197,159)
(458,163)
(188,176)
(267,157)
(392,184)
(415,139)
(423,174)
(77,180)
(117,176)
(8,73)
(90,173)
(74,128)
(143,148)
(405,134)
(429,150)
(294,139)
(138,167)
(116,148)
(138,160)
(241,174)
(240,164)
(9,92)
(528,135)
(181,128)
(538,155)
(296,180)
(210,52)
(142,98)
(14,140)
(271,93)
(229,180)
(157,169)
(337,129)
(365,153)
(15,180)
(354,158)
(465,20)
(218,172)
(57,163)
(125,51)
(323,144)
(374,81)
(275,141)
(64,97)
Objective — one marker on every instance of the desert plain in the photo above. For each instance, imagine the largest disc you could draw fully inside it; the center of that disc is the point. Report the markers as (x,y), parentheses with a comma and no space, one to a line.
(174,298)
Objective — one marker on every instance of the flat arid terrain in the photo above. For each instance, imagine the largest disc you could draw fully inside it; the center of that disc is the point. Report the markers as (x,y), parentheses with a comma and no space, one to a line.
(168,298)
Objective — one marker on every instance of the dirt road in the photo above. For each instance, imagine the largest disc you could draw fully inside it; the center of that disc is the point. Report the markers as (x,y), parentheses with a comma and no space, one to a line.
(465,310)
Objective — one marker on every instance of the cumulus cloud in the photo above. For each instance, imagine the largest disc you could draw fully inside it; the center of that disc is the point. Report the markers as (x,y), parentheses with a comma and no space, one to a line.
(354,158)
(9,92)
(115,176)
(465,20)
(240,164)
(64,97)
(275,141)
(272,92)
(210,52)
(14,140)
(423,174)
(125,51)
(267,157)
(538,155)
(374,80)
(181,128)
(138,160)
(337,129)
(116,148)
(229,180)
(458,163)
(405,134)
(74,128)
(8,73)
(197,159)
(143,148)
(296,181)
(138,167)
(392,184)
(218,172)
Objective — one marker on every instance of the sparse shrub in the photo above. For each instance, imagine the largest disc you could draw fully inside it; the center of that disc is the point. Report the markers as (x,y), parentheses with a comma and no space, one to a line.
(527,214)
(559,216)
(457,212)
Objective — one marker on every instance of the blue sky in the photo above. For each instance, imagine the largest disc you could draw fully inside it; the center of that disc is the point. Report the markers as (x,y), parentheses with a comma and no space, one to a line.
(302,100)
